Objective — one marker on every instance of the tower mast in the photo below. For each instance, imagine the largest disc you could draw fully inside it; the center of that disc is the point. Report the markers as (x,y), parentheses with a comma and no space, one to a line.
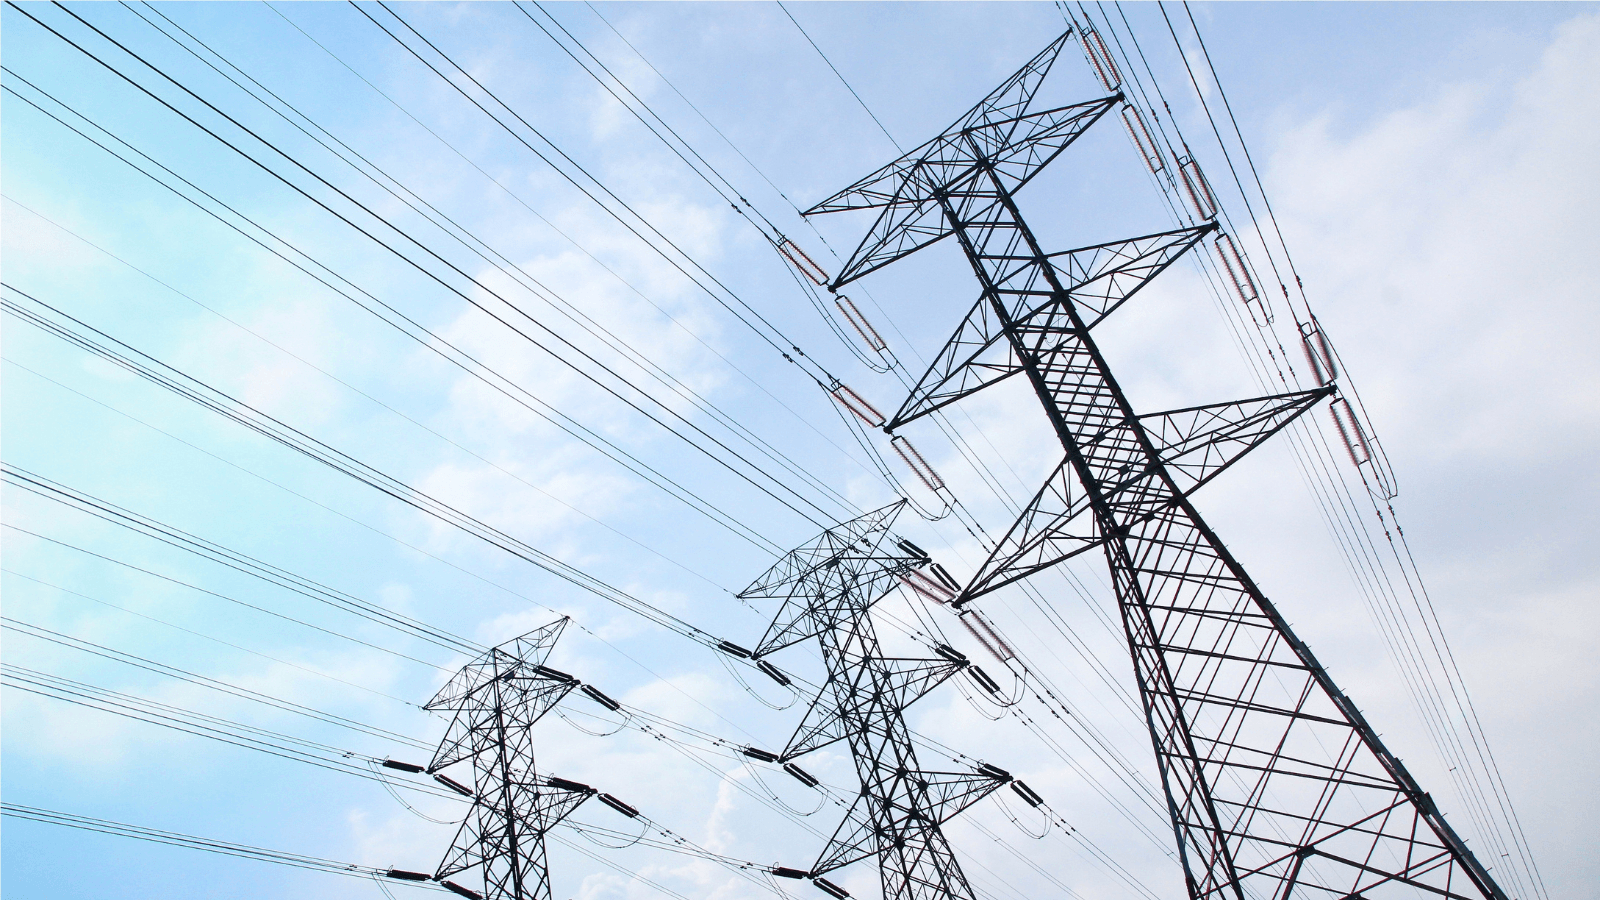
(1276,784)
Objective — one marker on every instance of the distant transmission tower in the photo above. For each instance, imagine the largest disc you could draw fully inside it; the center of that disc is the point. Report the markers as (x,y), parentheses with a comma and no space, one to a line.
(497,698)
(827,588)
(1276,785)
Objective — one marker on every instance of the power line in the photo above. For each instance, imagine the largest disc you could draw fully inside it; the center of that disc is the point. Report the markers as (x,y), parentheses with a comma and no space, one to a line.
(778,483)
(428,340)
(92,340)
(498,259)
(841,77)
(1354,539)
(189,841)
(770,334)
(189,631)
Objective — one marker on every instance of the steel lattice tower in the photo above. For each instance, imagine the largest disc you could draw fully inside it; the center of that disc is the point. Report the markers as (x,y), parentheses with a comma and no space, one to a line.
(827,588)
(497,698)
(1276,785)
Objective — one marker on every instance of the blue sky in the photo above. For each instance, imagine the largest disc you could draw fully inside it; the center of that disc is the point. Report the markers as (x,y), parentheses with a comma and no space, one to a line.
(1431,169)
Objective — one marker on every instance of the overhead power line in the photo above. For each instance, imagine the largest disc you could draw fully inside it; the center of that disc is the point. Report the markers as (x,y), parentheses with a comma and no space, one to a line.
(841,77)
(773,487)
(192,842)
(426,339)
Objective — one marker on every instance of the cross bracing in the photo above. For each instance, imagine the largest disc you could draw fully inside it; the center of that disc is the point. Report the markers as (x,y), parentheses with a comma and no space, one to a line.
(496,699)
(1276,785)
(828,587)
(1211,448)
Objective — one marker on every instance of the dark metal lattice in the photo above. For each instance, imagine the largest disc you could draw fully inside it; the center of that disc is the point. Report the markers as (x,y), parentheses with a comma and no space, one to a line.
(1276,784)
(497,698)
(827,588)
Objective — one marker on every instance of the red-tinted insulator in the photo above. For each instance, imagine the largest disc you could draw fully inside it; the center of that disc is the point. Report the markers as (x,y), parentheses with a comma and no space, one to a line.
(403,875)
(927,587)
(1134,122)
(980,628)
(402,766)
(918,466)
(857,405)
(1355,440)
(786,872)
(979,636)
(467,892)
(1100,60)
(808,267)
(1233,261)
(859,322)
(1197,189)
(1319,353)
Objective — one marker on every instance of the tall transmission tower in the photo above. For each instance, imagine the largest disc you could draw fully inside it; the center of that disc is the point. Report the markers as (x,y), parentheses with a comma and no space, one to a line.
(1276,784)
(497,698)
(827,588)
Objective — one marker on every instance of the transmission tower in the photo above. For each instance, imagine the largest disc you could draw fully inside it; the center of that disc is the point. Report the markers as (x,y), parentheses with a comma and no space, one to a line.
(497,698)
(827,588)
(1276,784)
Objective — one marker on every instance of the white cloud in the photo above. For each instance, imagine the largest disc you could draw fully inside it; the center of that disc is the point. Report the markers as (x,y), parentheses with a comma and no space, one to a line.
(1451,249)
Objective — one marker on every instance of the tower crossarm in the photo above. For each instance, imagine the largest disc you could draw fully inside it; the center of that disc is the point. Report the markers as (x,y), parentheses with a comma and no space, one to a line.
(1022,317)
(497,698)
(1277,786)
(999,131)
(1195,445)
(828,587)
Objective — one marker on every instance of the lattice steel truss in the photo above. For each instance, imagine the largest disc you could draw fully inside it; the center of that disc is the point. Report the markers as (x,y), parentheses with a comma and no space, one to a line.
(827,588)
(497,698)
(1276,784)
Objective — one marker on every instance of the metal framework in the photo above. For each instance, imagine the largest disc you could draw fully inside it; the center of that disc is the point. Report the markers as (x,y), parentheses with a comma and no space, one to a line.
(827,588)
(1276,784)
(497,698)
